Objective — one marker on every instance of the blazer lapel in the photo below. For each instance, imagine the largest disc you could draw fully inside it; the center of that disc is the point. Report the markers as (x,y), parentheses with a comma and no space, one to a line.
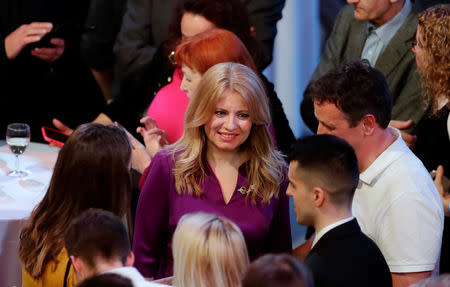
(356,40)
(399,45)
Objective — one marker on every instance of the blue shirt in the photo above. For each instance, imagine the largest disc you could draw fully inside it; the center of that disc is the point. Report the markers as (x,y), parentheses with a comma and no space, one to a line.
(379,38)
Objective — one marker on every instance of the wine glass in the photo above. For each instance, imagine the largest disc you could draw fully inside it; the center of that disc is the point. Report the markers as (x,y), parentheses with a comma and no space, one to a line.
(18,138)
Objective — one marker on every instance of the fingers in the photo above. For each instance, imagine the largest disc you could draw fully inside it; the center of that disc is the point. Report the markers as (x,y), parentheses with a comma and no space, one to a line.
(149,123)
(439,176)
(56,144)
(401,125)
(134,142)
(62,127)
(58,42)
(24,35)
(50,54)
(43,25)
(409,139)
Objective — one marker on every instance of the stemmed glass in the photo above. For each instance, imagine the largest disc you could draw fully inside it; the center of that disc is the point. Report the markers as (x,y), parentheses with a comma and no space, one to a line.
(18,138)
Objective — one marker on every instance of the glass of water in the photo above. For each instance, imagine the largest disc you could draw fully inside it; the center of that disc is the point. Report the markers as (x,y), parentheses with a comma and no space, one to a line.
(18,138)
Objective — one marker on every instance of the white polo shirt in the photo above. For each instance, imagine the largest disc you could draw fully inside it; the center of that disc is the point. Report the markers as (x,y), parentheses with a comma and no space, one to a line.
(398,206)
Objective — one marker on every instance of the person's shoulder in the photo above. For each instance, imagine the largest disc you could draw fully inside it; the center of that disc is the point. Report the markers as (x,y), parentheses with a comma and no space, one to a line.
(346,22)
(165,157)
(151,284)
(409,165)
(347,13)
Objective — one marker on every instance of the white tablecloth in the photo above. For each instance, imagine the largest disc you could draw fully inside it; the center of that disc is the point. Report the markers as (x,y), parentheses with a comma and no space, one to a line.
(18,197)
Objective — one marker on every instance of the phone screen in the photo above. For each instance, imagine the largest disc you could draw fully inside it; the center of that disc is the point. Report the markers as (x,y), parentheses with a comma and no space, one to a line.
(53,135)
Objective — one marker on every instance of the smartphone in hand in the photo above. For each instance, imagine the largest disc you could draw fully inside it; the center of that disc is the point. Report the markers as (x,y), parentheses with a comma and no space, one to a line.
(54,136)
(63,31)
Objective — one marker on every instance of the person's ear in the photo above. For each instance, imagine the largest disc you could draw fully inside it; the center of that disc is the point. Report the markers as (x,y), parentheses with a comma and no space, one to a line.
(130,259)
(77,264)
(318,196)
(368,124)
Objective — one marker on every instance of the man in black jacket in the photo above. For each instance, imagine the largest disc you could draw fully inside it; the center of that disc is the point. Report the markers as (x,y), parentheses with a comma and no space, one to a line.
(323,176)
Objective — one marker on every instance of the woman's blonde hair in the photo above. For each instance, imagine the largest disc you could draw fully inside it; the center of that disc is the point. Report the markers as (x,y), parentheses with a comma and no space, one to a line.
(208,251)
(434,25)
(265,167)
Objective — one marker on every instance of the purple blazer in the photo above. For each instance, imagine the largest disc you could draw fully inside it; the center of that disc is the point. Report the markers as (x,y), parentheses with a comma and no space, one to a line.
(266,227)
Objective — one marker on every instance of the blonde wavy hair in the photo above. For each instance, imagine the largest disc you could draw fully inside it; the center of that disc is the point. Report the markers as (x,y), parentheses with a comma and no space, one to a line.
(434,24)
(208,251)
(265,165)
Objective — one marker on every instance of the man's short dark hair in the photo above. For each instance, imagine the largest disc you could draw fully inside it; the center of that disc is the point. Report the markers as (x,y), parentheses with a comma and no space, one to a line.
(97,233)
(276,270)
(328,162)
(356,89)
(106,280)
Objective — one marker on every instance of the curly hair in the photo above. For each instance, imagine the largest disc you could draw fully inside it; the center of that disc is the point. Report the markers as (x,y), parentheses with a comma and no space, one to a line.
(434,25)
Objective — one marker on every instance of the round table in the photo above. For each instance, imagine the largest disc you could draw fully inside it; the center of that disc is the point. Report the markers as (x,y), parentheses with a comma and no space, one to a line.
(18,197)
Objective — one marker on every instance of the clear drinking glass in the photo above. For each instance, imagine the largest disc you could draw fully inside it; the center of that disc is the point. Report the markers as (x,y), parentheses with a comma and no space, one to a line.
(18,138)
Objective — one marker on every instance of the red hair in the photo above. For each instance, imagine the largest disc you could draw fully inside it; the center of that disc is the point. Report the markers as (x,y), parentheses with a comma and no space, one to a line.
(204,50)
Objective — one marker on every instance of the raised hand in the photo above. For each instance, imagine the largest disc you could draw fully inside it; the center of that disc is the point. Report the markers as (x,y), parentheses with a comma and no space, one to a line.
(154,138)
(140,156)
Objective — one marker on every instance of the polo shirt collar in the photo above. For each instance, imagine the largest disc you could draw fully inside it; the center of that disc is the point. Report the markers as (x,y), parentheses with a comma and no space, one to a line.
(385,159)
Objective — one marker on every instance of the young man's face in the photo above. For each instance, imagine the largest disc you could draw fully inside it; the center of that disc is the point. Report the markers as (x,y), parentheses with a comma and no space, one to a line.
(332,121)
(302,196)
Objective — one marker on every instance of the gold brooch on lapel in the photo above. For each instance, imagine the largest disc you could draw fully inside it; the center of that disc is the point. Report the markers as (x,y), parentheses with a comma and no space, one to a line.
(245,191)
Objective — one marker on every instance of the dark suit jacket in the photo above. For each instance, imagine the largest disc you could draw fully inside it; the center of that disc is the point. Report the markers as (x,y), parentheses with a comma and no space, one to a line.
(397,63)
(345,256)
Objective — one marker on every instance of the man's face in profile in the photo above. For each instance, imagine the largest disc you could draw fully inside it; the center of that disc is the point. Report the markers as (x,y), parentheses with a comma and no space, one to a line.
(332,121)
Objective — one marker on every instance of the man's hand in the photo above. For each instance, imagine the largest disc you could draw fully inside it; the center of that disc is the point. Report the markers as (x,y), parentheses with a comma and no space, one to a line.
(409,139)
(24,35)
(50,54)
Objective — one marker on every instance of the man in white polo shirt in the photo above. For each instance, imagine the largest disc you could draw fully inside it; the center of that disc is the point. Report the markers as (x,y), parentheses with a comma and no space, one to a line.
(396,202)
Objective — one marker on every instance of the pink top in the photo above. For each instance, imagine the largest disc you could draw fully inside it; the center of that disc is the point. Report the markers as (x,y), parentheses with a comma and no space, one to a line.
(168,108)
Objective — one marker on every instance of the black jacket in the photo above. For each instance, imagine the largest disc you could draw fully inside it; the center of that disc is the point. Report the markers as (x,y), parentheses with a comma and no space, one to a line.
(345,256)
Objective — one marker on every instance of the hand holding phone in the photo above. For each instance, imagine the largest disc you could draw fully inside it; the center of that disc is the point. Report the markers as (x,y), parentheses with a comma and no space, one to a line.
(62,31)
(54,136)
